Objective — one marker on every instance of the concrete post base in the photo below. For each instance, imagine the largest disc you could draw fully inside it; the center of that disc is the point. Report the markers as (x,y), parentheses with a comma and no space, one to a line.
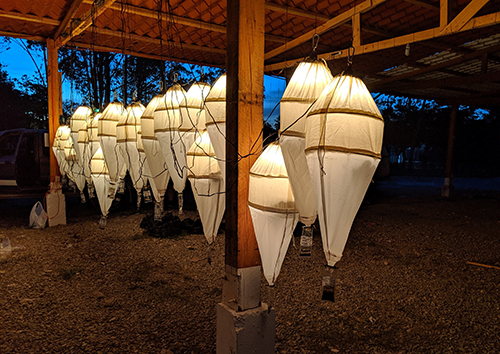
(245,332)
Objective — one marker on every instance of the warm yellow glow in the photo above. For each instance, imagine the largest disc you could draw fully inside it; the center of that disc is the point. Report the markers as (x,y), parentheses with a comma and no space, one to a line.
(97,164)
(201,161)
(192,110)
(79,117)
(129,123)
(215,102)
(147,118)
(109,119)
(166,116)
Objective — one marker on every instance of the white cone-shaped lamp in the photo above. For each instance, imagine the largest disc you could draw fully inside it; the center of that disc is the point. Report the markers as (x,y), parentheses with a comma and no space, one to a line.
(305,86)
(126,138)
(272,208)
(62,136)
(102,183)
(152,149)
(215,120)
(77,120)
(207,184)
(92,133)
(166,123)
(106,130)
(344,131)
(192,113)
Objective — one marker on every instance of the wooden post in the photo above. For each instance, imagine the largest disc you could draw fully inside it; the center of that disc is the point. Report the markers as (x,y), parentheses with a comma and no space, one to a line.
(55,102)
(448,178)
(244,110)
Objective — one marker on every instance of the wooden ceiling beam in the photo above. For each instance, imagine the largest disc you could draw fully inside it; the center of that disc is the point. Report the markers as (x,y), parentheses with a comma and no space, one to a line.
(297,12)
(166,43)
(29,18)
(88,19)
(65,23)
(464,16)
(22,36)
(346,16)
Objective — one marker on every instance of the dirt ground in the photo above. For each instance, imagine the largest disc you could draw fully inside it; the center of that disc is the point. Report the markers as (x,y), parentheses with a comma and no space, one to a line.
(404,284)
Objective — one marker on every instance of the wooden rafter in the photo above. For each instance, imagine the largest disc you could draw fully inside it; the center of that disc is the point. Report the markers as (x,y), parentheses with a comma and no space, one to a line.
(464,16)
(330,24)
(88,18)
(75,5)
(443,13)
(29,18)
(297,12)
(155,41)
(23,36)
(478,22)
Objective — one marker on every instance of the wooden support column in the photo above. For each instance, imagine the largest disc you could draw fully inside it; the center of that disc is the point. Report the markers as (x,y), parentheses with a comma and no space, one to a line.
(448,173)
(244,110)
(55,101)
(356,30)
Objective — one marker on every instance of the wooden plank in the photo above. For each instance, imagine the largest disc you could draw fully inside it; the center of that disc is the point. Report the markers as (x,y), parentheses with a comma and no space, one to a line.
(88,18)
(356,30)
(244,107)
(464,16)
(22,35)
(293,11)
(29,18)
(75,5)
(334,22)
(55,102)
(443,13)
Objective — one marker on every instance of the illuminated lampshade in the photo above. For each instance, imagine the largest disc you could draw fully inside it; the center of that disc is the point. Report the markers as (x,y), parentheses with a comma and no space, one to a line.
(84,148)
(305,86)
(62,137)
(152,149)
(92,133)
(106,130)
(344,131)
(167,123)
(207,184)
(74,169)
(126,138)
(272,208)
(100,177)
(192,113)
(215,120)
(77,120)
(143,162)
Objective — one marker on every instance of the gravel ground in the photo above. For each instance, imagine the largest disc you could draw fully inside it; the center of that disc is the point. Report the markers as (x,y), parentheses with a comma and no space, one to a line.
(403,286)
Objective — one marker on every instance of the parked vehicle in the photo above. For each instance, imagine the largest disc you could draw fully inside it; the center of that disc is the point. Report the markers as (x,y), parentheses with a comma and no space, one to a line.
(24,159)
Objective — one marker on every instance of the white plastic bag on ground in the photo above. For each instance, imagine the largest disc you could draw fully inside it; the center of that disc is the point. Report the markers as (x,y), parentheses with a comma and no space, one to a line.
(38,216)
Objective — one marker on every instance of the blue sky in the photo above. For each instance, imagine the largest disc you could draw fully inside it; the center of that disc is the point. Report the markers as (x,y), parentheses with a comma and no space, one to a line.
(18,63)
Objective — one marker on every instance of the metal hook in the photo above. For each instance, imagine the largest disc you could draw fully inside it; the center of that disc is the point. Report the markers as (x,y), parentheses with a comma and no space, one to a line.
(134,96)
(350,55)
(315,41)
(176,77)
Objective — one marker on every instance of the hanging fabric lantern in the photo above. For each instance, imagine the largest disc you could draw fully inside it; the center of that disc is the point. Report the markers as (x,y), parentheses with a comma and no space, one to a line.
(154,156)
(77,120)
(145,172)
(207,184)
(102,183)
(75,169)
(167,123)
(272,208)
(192,113)
(61,159)
(215,120)
(106,131)
(92,133)
(126,138)
(84,148)
(305,86)
(344,131)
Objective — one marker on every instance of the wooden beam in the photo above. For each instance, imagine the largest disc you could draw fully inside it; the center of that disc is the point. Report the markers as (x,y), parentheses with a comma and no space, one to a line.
(134,37)
(423,4)
(356,30)
(105,49)
(464,16)
(366,6)
(55,102)
(293,11)
(443,13)
(23,36)
(88,18)
(75,5)
(244,109)
(29,18)
(478,22)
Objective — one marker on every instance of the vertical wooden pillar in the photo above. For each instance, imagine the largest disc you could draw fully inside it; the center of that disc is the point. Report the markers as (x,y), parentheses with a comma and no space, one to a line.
(443,13)
(55,101)
(244,110)
(448,173)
